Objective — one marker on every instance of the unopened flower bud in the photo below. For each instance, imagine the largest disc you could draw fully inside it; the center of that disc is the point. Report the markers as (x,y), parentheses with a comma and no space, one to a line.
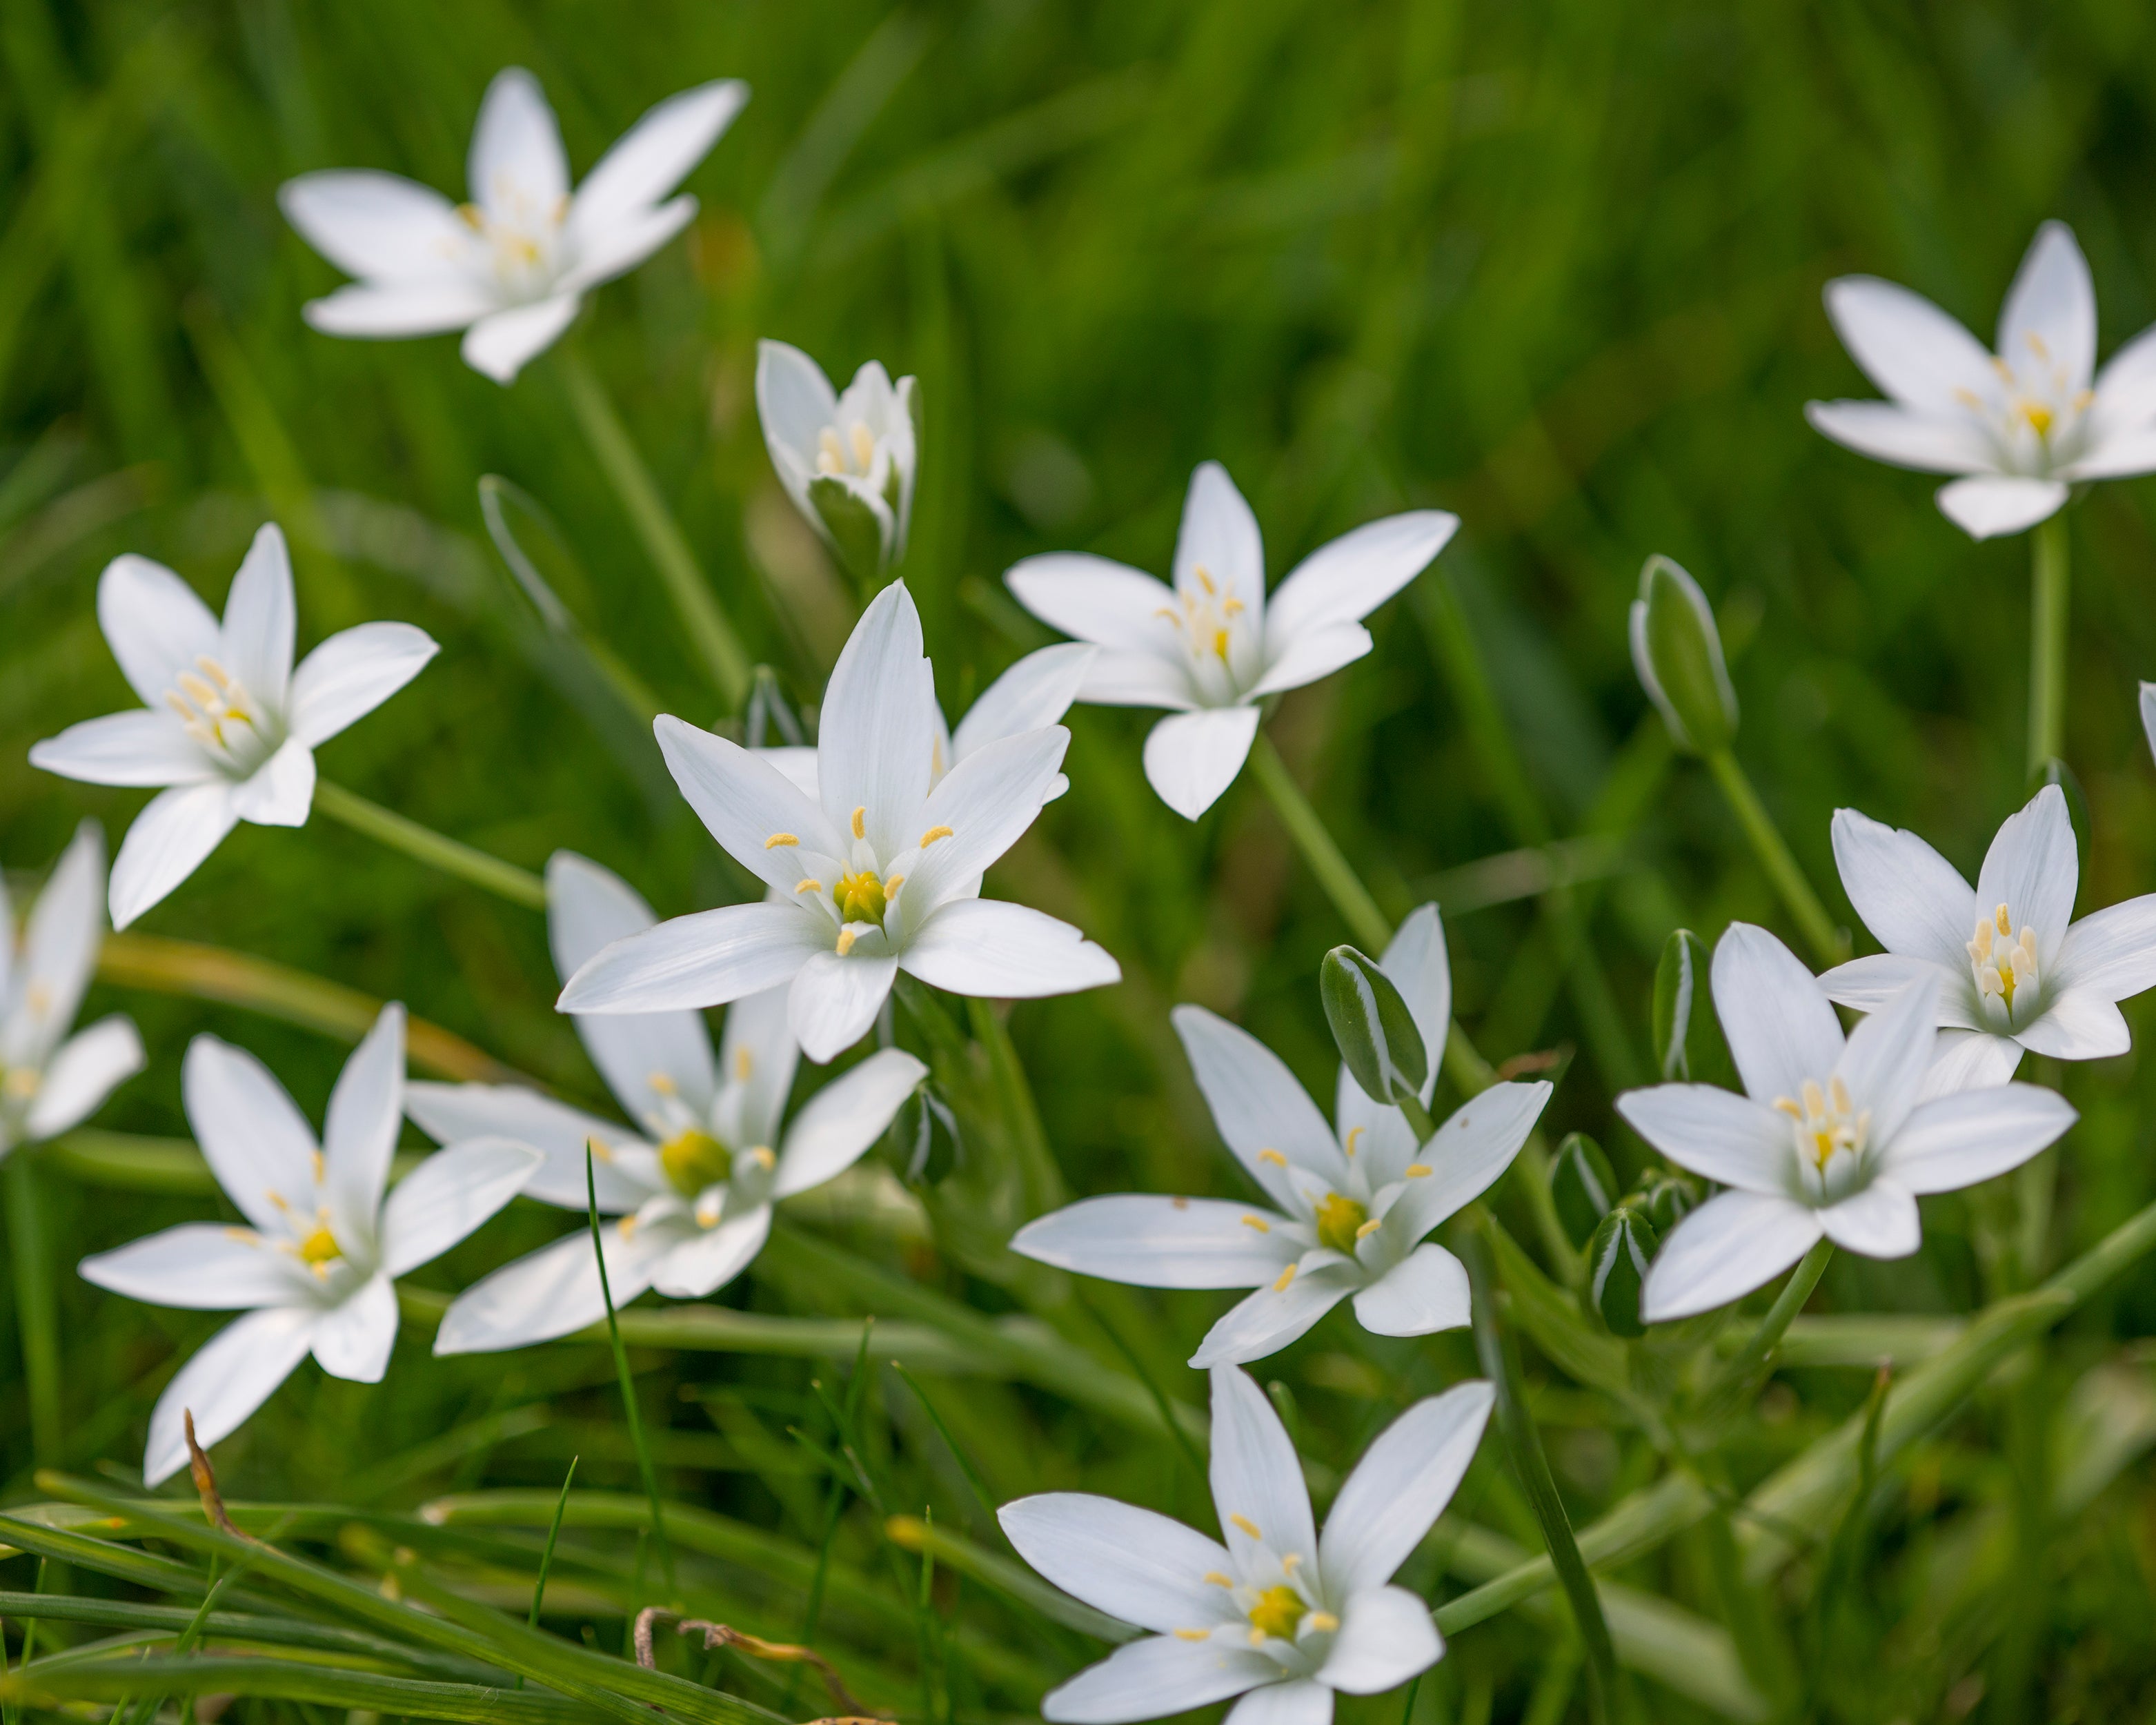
(1582,1187)
(1376,1033)
(1664,1197)
(924,1138)
(1689,1047)
(1617,1260)
(1678,654)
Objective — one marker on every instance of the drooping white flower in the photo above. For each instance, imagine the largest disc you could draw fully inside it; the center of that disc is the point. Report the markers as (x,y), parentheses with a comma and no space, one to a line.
(226,722)
(848,461)
(1832,1138)
(1214,645)
(2022,424)
(49,1081)
(1273,1611)
(880,872)
(510,267)
(1352,1207)
(316,1272)
(694,1180)
(2013,972)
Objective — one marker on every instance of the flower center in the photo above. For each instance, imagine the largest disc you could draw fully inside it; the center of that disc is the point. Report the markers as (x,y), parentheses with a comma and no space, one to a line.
(19,1084)
(862,897)
(1279,1611)
(693,1160)
(219,714)
(1340,1223)
(853,453)
(2003,959)
(319,1249)
(1826,1123)
(517,244)
(1204,613)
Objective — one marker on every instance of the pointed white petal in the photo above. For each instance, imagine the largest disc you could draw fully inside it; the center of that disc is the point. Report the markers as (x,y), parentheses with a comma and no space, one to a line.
(2115,455)
(745,802)
(794,402)
(1267,1321)
(622,245)
(1108,603)
(1130,1563)
(1346,581)
(834,1000)
(1154,1242)
(1730,1139)
(60,942)
(1869,982)
(2032,869)
(553,1291)
(1878,1222)
(1780,1028)
(843,1119)
(1969,1136)
(2049,319)
(232,1375)
(1156,1678)
(1914,901)
(1733,1243)
(1299,1701)
(201,1266)
(449,1195)
(1400,1486)
(1886,431)
(252,1133)
(704,959)
(359,1136)
(260,618)
(2077,1024)
(154,624)
(1989,505)
(875,746)
(2125,387)
(352,673)
(1254,1475)
(1466,1154)
(141,747)
(353,1339)
(281,791)
(1889,1057)
(1037,691)
(517,168)
(710,1259)
(796,765)
(379,227)
(170,838)
(419,308)
(1220,534)
(993,949)
(501,344)
(86,1070)
(1426,1291)
(1118,678)
(656,154)
(1263,1113)
(1384,1144)
(1969,1059)
(1315,653)
(758,1055)
(1190,758)
(452,1113)
(986,801)
(1417,965)
(1910,348)
(1386,1636)
(2111,951)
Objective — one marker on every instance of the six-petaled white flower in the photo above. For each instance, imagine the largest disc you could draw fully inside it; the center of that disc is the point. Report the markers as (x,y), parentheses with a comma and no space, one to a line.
(880,872)
(1352,1206)
(2022,424)
(316,1272)
(1214,645)
(508,267)
(848,461)
(227,722)
(48,1079)
(693,1180)
(1273,1610)
(1832,1138)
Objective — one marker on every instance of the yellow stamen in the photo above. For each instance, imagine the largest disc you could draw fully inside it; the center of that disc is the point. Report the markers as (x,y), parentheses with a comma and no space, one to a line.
(808,886)
(1368,1228)
(1353,1133)
(847,936)
(601,1150)
(1279,1611)
(861,830)
(2039,417)
(1247,1525)
(777,840)
(1193,1634)
(1274,1156)
(933,835)
(890,886)
(1204,577)
(626,1225)
(662,1083)
(744,1063)
(1286,1276)
(244,1236)
(762,1155)
(1340,1222)
(2004,921)
(1217,1578)
(275,1198)
(1322,1621)
(1416,1171)
(1292,1561)
(1259,1222)
(320,1167)
(864,446)
(320,1248)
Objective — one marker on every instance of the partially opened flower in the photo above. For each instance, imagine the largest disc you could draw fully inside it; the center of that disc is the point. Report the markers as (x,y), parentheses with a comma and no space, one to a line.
(1214,644)
(1832,1138)
(226,722)
(1273,1610)
(510,267)
(1350,1207)
(48,1079)
(2022,424)
(694,1180)
(316,1272)
(880,871)
(848,461)
(2013,972)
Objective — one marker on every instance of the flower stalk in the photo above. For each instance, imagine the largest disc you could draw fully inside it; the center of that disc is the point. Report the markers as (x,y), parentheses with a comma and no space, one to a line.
(2050,576)
(629,1410)
(1335,873)
(1826,940)
(452,856)
(1748,1365)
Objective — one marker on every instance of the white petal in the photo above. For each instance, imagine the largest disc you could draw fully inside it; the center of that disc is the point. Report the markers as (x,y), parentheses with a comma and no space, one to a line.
(1400,1486)
(60,942)
(1267,1321)
(1869,982)
(1964,1139)
(1416,963)
(1886,431)
(1301,1701)
(2114,455)
(986,801)
(201,1266)
(501,344)
(744,802)
(2148,714)
(1108,603)
(704,959)
(447,1196)
(2125,387)
(875,746)
(995,951)
(1220,533)
(1969,1059)
(1036,692)
(1889,1057)
(1465,1155)
(1152,1242)
(419,308)
(2049,319)
(1190,758)
(451,1113)
(86,1070)
(1316,653)
(1780,1028)
(252,1133)
(623,245)
(714,1257)
(1254,1475)
(1878,1222)
(796,765)
(2032,869)
(359,1136)
(1156,1678)
(794,402)
(1346,581)
(352,673)
(758,1056)
(1730,1139)
(1914,901)
(1988,506)
(2077,1024)
(1124,679)
(2111,951)
(1130,1563)
(1384,1144)
(1426,1291)
(139,747)
(1733,1243)
(378,226)
(170,838)
(231,1376)
(353,1339)
(656,154)
(553,1291)
(1910,348)
(154,624)
(1386,1636)
(834,1000)
(843,1119)
(516,168)
(281,791)
(261,618)
(1262,1113)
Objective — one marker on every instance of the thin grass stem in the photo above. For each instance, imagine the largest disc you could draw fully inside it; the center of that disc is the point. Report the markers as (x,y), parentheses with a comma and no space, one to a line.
(1828,945)
(546,1556)
(628,1387)
(452,856)
(2050,579)
(1357,909)
(37,1307)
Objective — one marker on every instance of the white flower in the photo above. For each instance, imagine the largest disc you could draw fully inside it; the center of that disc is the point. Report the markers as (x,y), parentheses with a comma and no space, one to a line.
(2012,974)
(1353,1206)
(1212,646)
(881,872)
(1279,1614)
(848,461)
(226,721)
(48,1079)
(695,1179)
(510,266)
(1830,1138)
(316,1272)
(2023,424)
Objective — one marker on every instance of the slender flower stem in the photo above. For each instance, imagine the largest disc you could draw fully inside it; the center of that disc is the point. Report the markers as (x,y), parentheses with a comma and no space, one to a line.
(520,886)
(1335,874)
(628,1387)
(1041,1177)
(1743,1371)
(1826,940)
(29,1238)
(2050,582)
(686,583)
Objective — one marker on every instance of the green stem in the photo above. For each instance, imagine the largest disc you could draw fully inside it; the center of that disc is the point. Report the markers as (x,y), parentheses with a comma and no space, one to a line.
(1826,940)
(546,1557)
(1335,874)
(1735,1378)
(2050,583)
(1042,1177)
(627,1385)
(724,656)
(520,886)
(36,1308)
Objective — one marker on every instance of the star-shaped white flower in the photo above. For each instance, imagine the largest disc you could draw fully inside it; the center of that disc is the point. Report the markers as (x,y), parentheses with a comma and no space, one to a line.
(880,872)
(227,722)
(1352,1206)
(48,1079)
(510,267)
(1832,1138)
(316,1271)
(1278,1614)
(1212,646)
(2022,424)
(693,1180)
(843,459)
(2013,972)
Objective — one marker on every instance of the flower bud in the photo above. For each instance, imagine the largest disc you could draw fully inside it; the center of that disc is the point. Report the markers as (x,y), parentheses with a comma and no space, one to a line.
(1677,652)
(1373,1027)
(1617,1260)
(857,533)
(1688,1041)
(924,1139)
(1664,1197)
(1582,1187)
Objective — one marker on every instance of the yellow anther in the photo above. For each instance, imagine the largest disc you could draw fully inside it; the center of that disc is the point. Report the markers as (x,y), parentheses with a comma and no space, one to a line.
(321,1167)
(830,453)
(1193,1634)
(601,1150)
(1787,1105)
(1232,608)
(198,690)
(1217,1578)
(1340,1222)
(1204,577)
(1259,1222)
(1273,1156)
(933,835)
(468,214)
(1322,1621)
(800,887)
(1839,1092)
(1257,1636)
(663,1085)
(2039,417)
(861,830)
(1220,642)
(320,1248)
(1368,1228)
(1968,399)
(244,1236)
(2037,346)
(779,840)
(1292,1562)
(864,446)
(1353,1133)
(890,886)
(1415,1171)
(626,1225)
(694,1159)
(22,1083)
(861,897)
(275,1198)
(762,1157)
(847,936)
(1246,1525)
(1279,1611)
(2004,921)
(1286,1276)
(744,1063)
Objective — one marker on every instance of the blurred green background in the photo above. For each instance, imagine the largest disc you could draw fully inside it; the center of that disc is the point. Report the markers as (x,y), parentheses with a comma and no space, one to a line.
(1556,266)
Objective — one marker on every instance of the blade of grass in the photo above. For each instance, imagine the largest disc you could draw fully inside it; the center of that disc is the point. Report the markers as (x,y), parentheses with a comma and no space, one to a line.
(437,850)
(546,1557)
(629,1409)
(37,1302)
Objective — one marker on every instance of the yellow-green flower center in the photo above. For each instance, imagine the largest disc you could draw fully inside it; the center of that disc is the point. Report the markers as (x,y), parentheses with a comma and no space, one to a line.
(861,897)
(320,1248)
(1340,1225)
(694,1159)
(1279,1612)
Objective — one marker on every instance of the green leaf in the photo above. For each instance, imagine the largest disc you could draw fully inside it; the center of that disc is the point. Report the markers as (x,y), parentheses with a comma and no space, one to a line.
(854,528)
(1582,1187)
(1375,1032)
(1617,1260)
(1689,1048)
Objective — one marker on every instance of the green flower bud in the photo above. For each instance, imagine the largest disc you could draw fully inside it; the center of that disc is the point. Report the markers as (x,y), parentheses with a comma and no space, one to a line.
(1617,1260)
(1678,654)
(1688,1042)
(1582,1187)
(924,1139)
(1664,1197)
(856,533)
(1376,1033)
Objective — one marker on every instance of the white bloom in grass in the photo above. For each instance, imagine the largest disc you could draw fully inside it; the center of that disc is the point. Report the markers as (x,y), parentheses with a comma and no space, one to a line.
(848,461)
(48,1079)
(2012,972)
(1350,1207)
(693,1180)
(1280,1614)
(2022,424)
(508,267)
(227,723)
(880,871)
(315,1272)
(1214,645)
(1832,1138)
